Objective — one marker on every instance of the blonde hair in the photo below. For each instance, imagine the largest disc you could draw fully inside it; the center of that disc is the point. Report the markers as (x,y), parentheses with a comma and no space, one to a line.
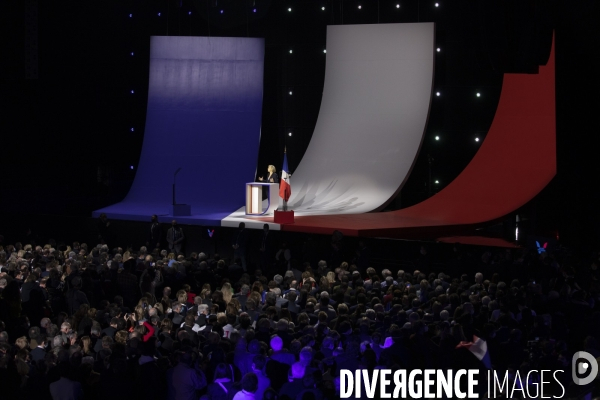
(271,168)
(22,342)
(86,343)
(182,296)
(139,312)
(227,292)
(331,277)
(121,337)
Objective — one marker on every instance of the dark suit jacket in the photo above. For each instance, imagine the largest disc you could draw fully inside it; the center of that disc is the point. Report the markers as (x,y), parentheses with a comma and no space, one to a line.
(155,234)
(38,354)
(274,176)
(240,238)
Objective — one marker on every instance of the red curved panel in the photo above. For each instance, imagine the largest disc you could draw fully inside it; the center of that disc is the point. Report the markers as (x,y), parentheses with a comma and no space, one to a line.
(515,162)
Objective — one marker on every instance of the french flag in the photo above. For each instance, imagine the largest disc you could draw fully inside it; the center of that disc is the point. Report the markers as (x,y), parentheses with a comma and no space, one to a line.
(478,347)
(285,189)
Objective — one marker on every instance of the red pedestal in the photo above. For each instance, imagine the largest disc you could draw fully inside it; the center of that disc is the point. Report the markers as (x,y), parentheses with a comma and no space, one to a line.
(284,217)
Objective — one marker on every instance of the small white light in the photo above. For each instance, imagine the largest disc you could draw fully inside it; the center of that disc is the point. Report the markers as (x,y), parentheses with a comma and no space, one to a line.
(159,14)
(478,94)
(131,166)
(189,13)
(517,233)
(437,182)
(322,8)
(132,129)
(397,5)
(359,7)
(438,49)
(437,138)
(130,15)
(290,92)
(477,139)
(324,51)
(290,9)
(290,51)
(290,134)
(438,94)
(132,53)
(132,92)
(437,4)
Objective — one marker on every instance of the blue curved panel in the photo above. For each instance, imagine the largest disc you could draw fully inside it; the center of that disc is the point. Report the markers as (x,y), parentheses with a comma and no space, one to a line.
(204,115)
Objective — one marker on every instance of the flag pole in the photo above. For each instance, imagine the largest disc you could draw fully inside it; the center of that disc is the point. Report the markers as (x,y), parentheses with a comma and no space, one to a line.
(284,200)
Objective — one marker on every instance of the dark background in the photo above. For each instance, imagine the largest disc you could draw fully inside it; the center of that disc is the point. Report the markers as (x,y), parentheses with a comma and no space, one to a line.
(68,113)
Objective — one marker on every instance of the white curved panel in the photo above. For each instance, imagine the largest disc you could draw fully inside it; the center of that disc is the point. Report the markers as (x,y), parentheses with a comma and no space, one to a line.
(376,98)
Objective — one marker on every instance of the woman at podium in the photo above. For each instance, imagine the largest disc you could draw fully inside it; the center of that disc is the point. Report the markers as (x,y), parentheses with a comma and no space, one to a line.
(273,177)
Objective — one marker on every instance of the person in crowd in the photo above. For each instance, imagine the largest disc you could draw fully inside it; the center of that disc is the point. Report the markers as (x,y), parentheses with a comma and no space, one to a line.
(175,237)
(239,244)
(155,234)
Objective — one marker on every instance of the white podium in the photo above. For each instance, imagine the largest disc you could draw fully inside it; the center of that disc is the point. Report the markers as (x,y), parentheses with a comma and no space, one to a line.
(254,202)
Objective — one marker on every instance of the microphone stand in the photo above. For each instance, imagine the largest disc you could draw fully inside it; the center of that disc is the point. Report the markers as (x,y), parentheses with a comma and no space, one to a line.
(174,176)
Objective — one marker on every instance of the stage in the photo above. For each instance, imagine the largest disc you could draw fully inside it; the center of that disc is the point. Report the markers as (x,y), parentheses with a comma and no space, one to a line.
(199,86)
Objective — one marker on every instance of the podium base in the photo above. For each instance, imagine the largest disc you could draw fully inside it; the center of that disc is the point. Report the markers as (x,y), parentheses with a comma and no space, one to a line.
(284,217)
(181,210)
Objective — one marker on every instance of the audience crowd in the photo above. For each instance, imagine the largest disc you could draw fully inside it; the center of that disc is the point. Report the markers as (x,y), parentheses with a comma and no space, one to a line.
(94,322)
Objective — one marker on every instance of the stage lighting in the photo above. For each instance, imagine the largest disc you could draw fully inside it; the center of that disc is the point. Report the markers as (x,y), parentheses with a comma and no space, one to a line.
(477,139)
(130,15)
(397,5)
(290,9)
(438,49)
(131,166)
(322,8)
(437,138)
(132,92)
(290,134)
(221,11)
(132,129)
(438,94)
(290,92)
(189,13)
(478,94)
(159,14)
(254,10)
(290,51)
(437,182)
(132,53)
(359,7)
(324,51)
(437,4)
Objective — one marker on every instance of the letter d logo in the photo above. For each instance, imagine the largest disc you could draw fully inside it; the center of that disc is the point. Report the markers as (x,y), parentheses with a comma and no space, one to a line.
(583,363)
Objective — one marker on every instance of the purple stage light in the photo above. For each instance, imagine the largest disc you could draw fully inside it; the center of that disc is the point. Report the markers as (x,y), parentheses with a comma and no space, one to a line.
(159,14)
(131,167)
(132,92)
(221,11)
(254,10)
(132,129)
(189,13)
(132,53)
(130,15)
